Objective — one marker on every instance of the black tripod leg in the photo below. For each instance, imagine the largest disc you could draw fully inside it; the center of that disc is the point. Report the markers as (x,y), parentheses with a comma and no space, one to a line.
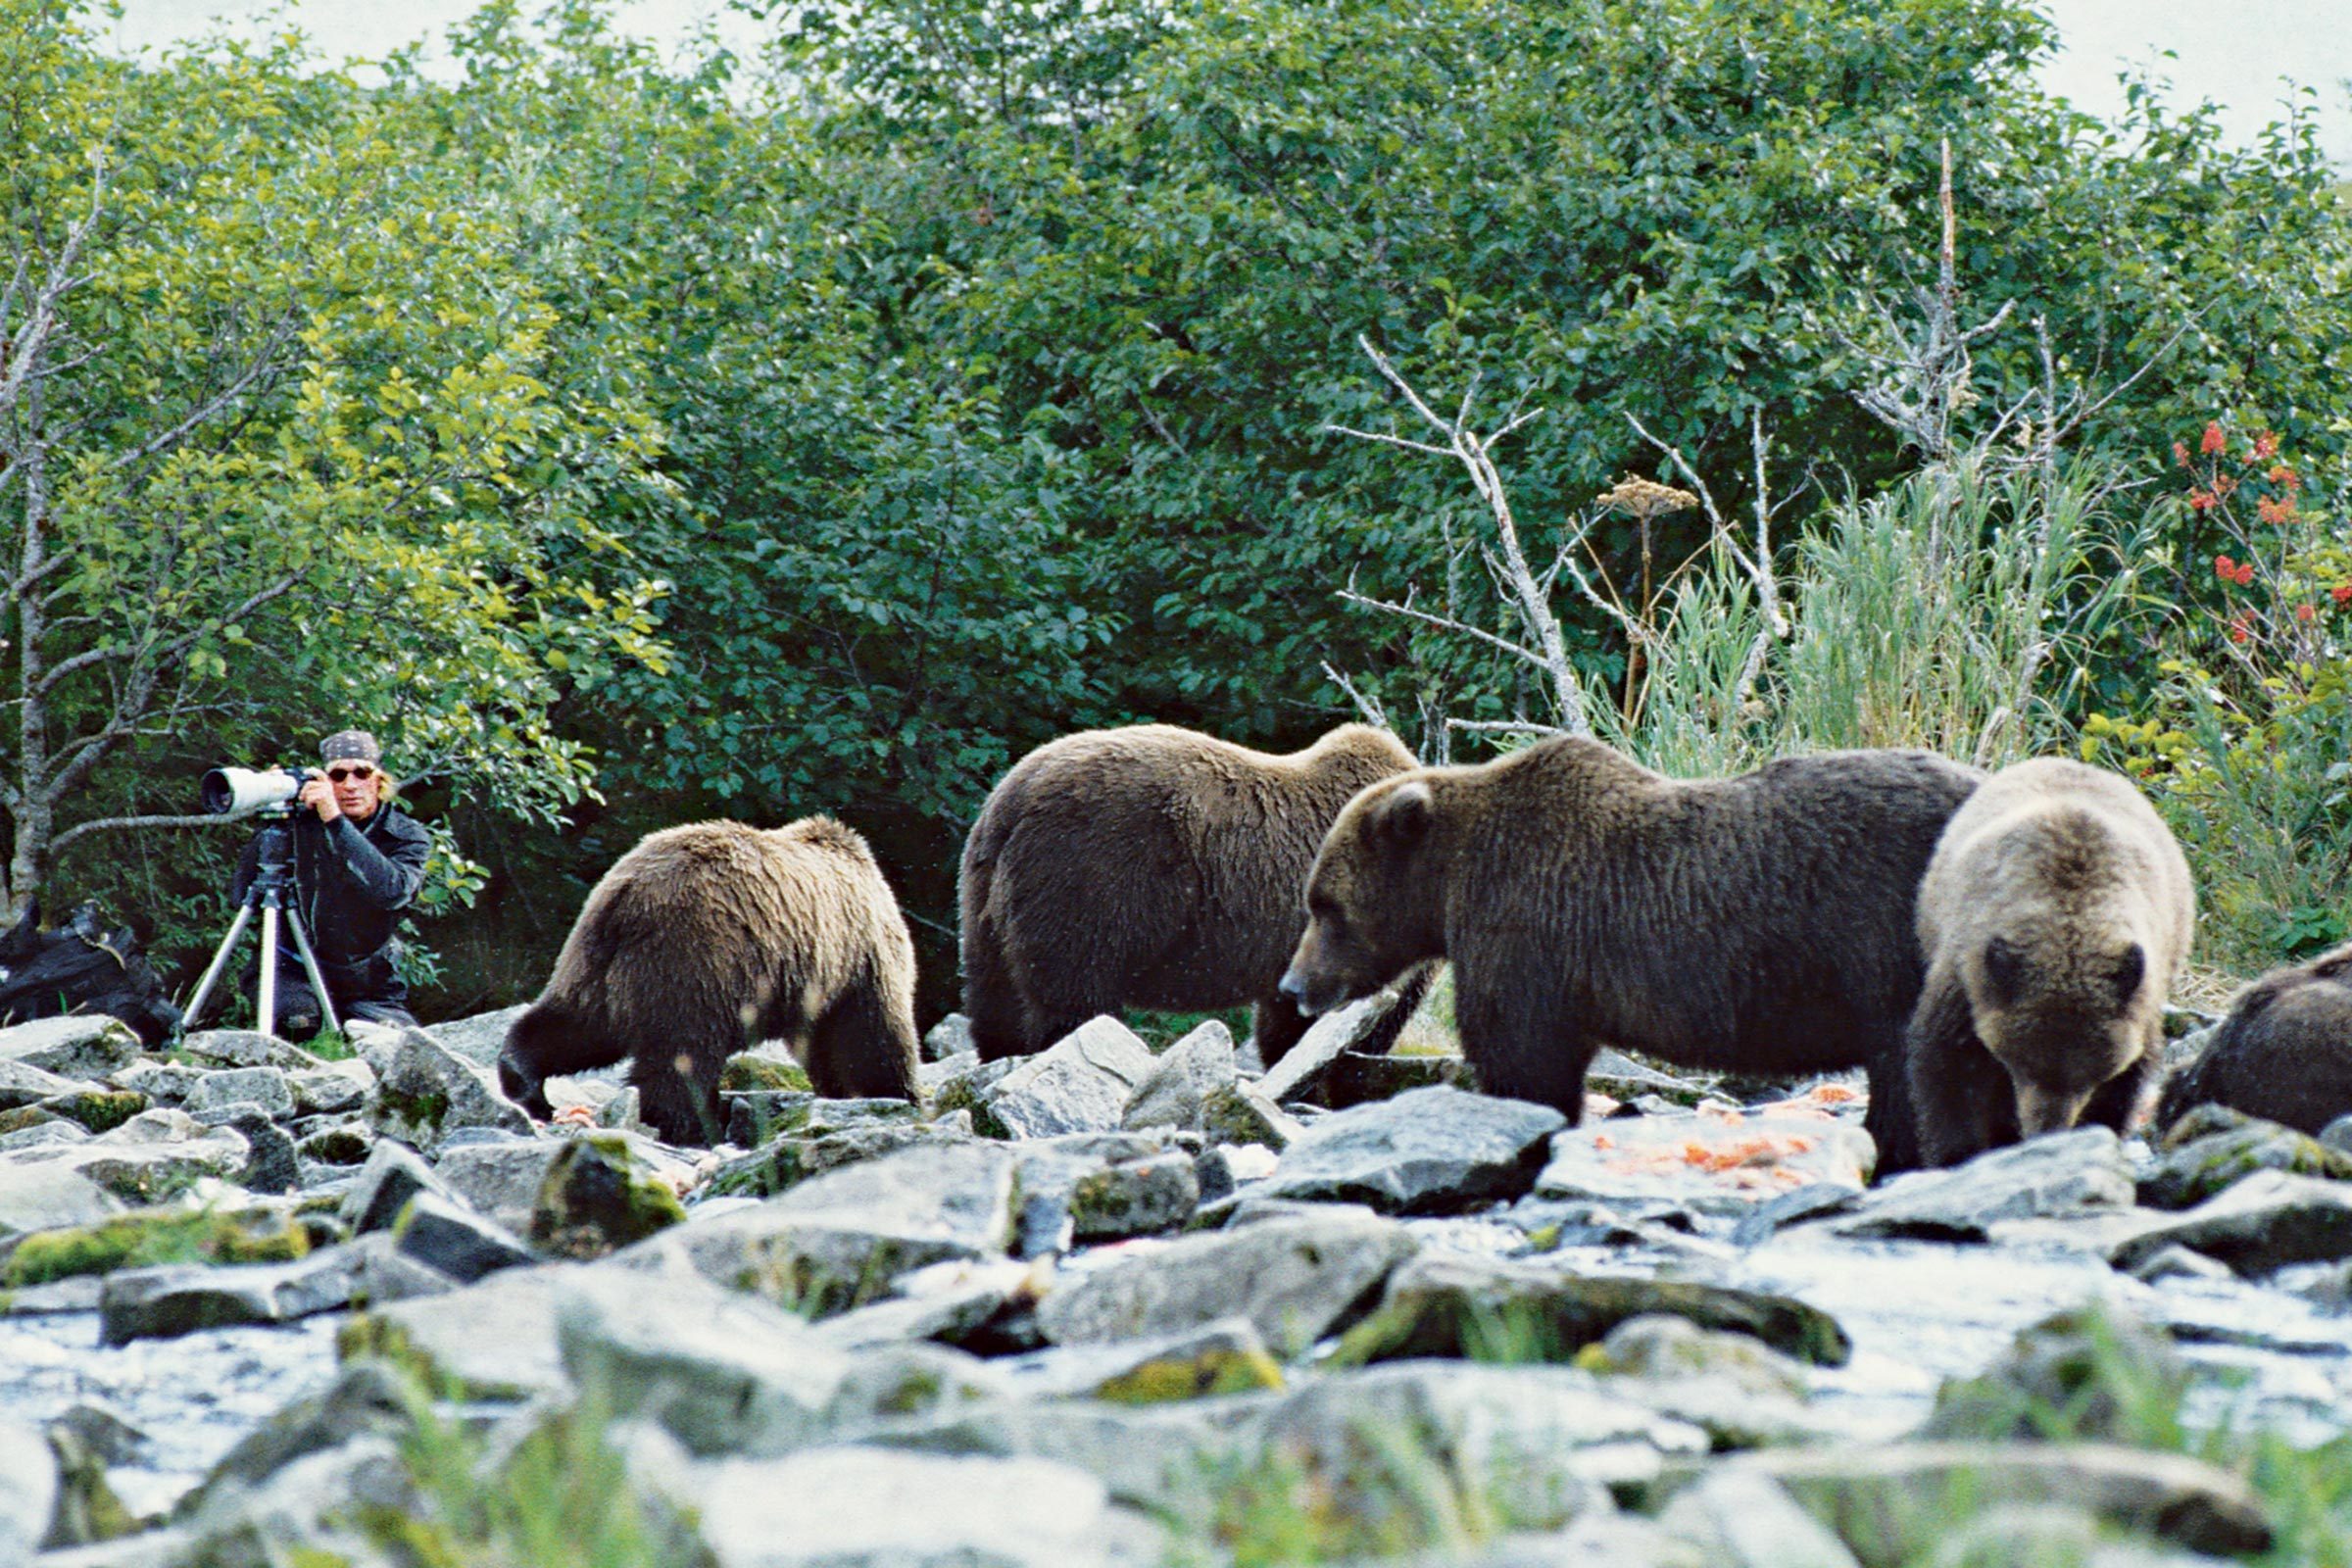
(212,972)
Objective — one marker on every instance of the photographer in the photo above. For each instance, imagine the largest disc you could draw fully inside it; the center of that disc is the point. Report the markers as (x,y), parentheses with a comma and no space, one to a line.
(358,860)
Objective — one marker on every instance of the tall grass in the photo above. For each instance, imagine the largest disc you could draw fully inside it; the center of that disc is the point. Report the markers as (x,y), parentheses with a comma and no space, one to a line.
(1956,612)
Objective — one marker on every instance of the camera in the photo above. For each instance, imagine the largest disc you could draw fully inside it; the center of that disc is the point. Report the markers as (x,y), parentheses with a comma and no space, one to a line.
(242,791)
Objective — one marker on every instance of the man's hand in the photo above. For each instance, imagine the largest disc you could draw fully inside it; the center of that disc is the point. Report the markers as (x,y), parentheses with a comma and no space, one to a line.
(320,796)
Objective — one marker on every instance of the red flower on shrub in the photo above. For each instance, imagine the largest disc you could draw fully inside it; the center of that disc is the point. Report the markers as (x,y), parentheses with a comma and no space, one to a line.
(2223,568)
(2203,500)
(2181,453)
(2305,611)
(2275,511)
(2341,595)
(2245,572)
(2280,473)
(2265,445)
(2238,631)
(2214,442)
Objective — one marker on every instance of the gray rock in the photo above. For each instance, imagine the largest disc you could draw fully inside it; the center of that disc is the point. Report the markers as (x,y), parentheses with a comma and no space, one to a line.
(2094,1368)
(1227,1167)
(383,1273)
(1173,1092)
(1152,1456)
(1224,1356)
(22,1084)
(56,1130)
(1433,1150)
(896,1385)
(175,1298)
(597,1196)
(838,1239)
(952,1036)
(872,1508)
(499,1179)
(491,1340)
(2053,1535)
(722,1372)
(1046,1181)
(423,1094)
(1322,1044)
(1645,1159)
(478,1039)
(265,1087)
(2265,1221)
(2212,1147)
(1536,1447)
(367,1398)
(2059,1175)
(449,1238)
(334,1090)
(48,1196)
(71,1047)
(1356,1078)
(1238,1113)
(28,1492)
(246,1047)
(1080,1084)
(947,1313)
(2180,1263)
(2337,1135)
(1292,1278)
(157,1155)
(1892,1502)
(782,1163)
(307,1511)
(393,1174)
(346,1144)
(1134,1197)
(969,1088)
(1745,1520)
(272,1164)
(1451,1305)
(1814,1202)
(104,1433)
(164,1083)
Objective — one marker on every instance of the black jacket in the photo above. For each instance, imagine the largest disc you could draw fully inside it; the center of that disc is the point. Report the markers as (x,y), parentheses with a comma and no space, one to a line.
(350,883)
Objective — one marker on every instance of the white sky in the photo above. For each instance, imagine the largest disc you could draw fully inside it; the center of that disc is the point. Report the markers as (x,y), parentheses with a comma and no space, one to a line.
(2234,52)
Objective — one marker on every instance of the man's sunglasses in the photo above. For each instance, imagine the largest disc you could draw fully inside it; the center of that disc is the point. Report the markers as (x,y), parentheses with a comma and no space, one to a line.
(363,773)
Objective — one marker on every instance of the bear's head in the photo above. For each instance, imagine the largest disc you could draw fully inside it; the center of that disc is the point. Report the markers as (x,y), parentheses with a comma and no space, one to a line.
(1370,911)
(2064,1020)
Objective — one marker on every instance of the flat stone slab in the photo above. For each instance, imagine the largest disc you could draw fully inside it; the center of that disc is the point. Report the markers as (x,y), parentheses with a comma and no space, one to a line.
(1322,1044)
(47,1194)
(875,1508)
(23,1083)
(1225,1356)
(175,1298)
(156,1155)
(491,1340)
(478,1039)
(1172,1093)
(1892,1502)
(1448,1304)
(71,1047)
(2057,1176)
(1292,1278)
(2265,1221)
(1430,1150)
(1712,1163)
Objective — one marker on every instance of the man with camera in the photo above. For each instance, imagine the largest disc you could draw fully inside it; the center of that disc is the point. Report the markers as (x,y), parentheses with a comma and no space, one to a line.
(358,860)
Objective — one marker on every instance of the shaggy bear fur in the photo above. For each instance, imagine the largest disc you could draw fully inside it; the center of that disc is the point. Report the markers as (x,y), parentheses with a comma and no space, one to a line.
(1148,868)
(2053,919)
(2284,1052)
(707,937)
(1760,923)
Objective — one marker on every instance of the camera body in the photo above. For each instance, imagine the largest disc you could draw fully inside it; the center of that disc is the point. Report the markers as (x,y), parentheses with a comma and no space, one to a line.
(243,791)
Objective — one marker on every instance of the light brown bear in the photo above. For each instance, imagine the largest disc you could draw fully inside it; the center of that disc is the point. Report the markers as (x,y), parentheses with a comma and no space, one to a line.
(2053,919)
(707,937)
(1760,923)
(1149,866)
(2283,1052)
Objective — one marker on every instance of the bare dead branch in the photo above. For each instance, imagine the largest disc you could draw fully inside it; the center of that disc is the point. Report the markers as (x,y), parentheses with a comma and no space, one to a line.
(115,824)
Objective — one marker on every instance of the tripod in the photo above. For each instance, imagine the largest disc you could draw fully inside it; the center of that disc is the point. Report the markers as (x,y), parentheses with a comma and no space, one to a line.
(268,894)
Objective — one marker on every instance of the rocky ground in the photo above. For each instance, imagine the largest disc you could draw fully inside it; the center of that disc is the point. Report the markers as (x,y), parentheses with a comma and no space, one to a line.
(1103,1306)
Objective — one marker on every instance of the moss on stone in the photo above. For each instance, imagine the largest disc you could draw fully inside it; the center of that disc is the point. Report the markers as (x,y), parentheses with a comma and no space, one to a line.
(23,1117)
(156,1235)
(1213,1372)
(98,1109)
(749,1072)
(424,1109)
(595,1198)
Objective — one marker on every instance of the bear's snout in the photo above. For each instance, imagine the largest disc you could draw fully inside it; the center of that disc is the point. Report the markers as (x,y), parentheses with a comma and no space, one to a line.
(1293,990)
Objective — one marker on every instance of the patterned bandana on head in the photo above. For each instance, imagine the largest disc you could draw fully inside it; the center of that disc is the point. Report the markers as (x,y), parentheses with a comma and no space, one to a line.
(349,746)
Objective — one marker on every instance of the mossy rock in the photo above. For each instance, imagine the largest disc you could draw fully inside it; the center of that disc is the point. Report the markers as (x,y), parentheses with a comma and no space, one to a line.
(749,1073)
(595,1198)
(2213,1147)
(156,1235)
(23,1117)
(347,1145)
(99,1110)
(1223,1370)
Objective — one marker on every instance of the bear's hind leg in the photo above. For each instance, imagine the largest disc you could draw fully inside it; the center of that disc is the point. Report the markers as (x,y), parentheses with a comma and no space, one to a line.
(677,1095)
(865,1047)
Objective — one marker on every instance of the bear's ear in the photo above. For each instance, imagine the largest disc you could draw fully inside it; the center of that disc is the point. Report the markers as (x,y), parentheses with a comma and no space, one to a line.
(2131,968)
(1405,815)
(2004,969)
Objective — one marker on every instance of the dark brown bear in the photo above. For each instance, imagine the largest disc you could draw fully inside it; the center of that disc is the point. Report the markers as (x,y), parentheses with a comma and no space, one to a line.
(1147,867)
(709,937)
(2053,919)
(1760,923)
(2284,1052)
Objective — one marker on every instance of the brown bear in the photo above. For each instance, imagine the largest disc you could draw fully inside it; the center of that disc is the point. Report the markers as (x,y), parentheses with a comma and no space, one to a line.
(1150,866)
(1760,923)
(2053,919)
(709,937)
(2283,1052)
